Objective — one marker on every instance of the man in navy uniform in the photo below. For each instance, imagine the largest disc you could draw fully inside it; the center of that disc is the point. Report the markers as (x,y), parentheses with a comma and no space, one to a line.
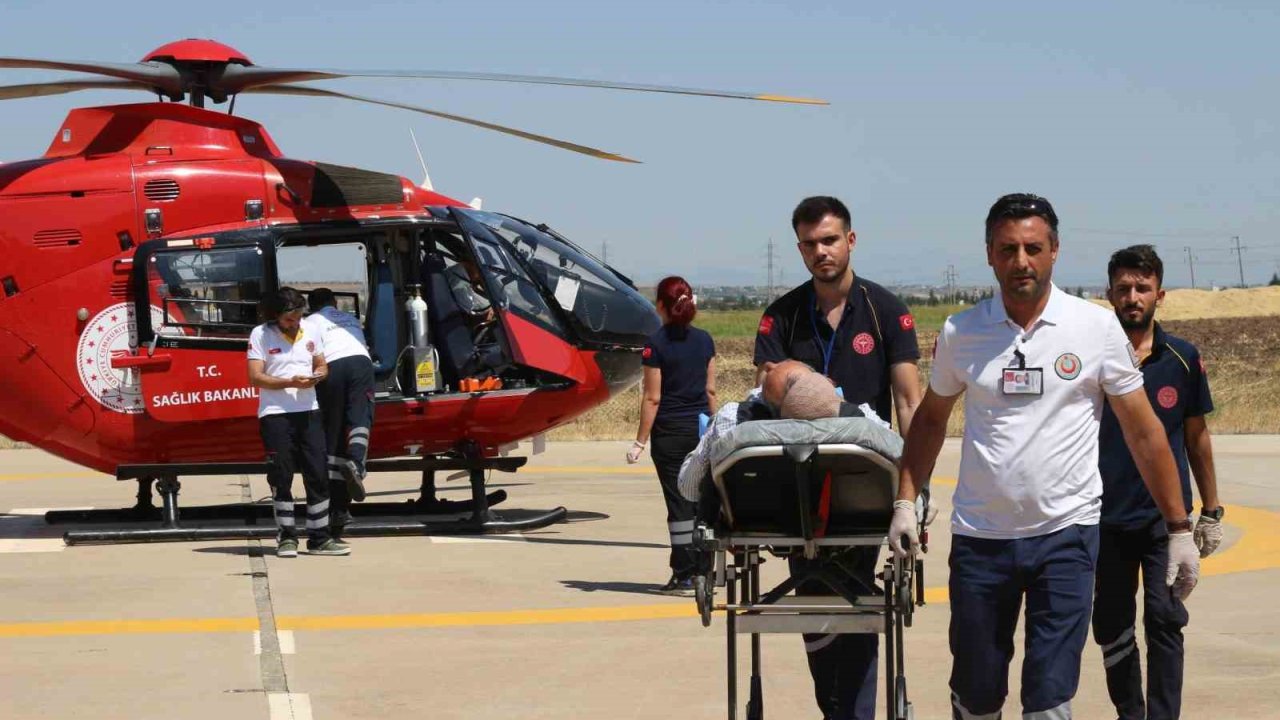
(1132,534)
(863,338)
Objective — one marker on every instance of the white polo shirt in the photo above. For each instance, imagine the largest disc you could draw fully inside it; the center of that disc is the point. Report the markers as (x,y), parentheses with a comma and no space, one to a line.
(341,332)
(1029,464)
(284,359)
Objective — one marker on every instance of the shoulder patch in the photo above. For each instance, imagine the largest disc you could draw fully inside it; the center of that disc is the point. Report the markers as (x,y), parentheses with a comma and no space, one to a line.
(906,322)
(766,325)
(647,352)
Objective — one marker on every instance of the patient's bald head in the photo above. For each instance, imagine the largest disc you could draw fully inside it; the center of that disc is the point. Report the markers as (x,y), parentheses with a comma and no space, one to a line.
(810,397)
(779,377)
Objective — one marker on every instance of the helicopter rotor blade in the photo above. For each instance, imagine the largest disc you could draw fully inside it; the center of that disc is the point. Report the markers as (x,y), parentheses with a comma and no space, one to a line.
(152,74)
(562,144)
(239,78)
(61,87)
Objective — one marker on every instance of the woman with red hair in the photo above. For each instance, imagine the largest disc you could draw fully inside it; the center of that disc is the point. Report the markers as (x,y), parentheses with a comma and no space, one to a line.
(679,384)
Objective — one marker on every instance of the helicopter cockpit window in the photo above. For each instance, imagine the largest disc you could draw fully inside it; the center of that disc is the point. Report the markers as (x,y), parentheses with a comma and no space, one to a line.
(518,291)
(605,307)
(340,267)
(211,293)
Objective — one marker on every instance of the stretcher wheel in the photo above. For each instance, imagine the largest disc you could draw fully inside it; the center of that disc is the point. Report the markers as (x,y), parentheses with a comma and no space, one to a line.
(703,596)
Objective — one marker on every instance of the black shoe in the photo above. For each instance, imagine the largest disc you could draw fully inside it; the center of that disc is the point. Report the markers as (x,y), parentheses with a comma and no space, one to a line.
(355,479)
(678,586)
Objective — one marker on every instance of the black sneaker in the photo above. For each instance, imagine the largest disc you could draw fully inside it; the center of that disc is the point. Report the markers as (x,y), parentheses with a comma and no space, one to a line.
(680,587)
(355,479)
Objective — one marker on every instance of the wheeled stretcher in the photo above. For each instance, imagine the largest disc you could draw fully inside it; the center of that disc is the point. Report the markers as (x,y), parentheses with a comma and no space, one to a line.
(824,501)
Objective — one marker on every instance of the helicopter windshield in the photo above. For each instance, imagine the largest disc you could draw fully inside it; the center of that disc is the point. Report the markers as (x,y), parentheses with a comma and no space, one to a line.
(603,306)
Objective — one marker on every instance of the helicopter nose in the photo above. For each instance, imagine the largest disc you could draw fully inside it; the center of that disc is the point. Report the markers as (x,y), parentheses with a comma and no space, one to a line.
(621,368)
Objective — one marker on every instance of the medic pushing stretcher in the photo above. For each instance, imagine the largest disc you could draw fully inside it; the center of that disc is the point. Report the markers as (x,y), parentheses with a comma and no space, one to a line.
(820,488)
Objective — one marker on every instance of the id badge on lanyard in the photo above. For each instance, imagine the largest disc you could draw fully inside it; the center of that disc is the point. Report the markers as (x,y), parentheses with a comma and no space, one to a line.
(1021,380)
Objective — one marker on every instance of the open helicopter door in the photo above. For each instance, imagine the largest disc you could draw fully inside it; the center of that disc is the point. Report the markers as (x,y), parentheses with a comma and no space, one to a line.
(534,331)
(195,303)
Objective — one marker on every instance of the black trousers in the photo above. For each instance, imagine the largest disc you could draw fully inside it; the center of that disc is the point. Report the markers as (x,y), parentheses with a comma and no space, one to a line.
(346,401)
(295,441)
(668,450)
(1122,554)
(843,667)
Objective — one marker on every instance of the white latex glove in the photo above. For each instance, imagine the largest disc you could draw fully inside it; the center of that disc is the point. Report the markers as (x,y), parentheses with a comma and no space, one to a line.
(903,526)
(633,455)
(1208,535)
(1184,564)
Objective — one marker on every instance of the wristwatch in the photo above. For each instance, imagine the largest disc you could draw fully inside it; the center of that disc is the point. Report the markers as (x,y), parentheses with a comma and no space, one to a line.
(1214,514)
(1176,526)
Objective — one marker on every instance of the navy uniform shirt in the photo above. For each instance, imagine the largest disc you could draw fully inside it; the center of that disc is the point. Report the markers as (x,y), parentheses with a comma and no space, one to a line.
(1174,377)
(682,354)
(875,332)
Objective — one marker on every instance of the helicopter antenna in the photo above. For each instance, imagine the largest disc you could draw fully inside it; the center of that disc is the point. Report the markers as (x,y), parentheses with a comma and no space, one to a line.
(426,176)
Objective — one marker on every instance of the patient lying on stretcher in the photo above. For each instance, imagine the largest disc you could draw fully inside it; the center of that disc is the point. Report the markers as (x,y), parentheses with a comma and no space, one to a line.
(791,391)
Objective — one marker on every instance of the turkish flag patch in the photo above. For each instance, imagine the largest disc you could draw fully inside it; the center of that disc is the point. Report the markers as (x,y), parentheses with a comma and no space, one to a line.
(646,353)
(273,351)
(906,322)
(766,325)
(311,346)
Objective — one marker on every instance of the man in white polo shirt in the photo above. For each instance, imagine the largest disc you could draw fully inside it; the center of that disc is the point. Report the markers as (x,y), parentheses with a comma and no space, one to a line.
(1035,365)
(285,363)
(346,399)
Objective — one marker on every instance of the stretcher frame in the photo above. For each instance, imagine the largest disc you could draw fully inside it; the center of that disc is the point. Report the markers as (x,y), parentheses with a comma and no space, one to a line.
(735,567)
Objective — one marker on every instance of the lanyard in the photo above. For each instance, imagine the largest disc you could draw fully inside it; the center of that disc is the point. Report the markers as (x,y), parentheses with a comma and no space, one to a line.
(828,348)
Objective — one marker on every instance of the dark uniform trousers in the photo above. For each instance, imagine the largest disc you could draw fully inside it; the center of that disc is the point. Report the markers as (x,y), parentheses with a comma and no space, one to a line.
(668,450)
(843,667)
(1122,553)
(988,580)
(346,400)
(295,441)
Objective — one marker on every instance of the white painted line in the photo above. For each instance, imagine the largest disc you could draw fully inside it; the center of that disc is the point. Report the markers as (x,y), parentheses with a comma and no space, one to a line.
(31,545)
(289,706)
(288,646)
(473,539)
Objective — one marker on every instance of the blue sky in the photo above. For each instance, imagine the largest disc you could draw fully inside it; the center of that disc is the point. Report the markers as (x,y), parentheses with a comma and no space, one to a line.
(1135,119)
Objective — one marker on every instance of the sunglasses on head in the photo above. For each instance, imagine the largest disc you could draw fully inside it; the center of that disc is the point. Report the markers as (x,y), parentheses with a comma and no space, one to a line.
(1022,206)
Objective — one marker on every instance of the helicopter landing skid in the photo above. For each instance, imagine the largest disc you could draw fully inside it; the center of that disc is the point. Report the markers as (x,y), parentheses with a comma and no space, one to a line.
(431,515)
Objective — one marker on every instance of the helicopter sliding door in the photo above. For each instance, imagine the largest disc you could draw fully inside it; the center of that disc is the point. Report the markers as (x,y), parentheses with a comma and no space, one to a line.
(196,301)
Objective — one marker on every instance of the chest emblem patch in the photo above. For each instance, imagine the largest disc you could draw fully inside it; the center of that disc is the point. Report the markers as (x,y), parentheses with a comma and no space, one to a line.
(863,344)
(1167,397)
(1067,366)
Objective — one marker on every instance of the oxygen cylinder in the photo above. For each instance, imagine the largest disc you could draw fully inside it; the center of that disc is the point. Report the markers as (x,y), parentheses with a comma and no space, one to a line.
(416,307)
(426,375)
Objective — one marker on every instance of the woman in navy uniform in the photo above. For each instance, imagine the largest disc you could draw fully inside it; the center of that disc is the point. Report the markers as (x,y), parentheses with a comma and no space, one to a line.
(679,384)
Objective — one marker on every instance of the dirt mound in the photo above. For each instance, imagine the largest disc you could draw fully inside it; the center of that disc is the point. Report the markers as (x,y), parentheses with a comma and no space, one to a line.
(1230,303)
